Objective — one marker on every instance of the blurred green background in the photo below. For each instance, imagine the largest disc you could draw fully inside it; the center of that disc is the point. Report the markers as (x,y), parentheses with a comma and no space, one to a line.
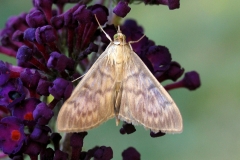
(203,36)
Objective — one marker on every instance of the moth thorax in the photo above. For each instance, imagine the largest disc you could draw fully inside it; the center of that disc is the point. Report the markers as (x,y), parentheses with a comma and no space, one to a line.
(118,54)
(120,38)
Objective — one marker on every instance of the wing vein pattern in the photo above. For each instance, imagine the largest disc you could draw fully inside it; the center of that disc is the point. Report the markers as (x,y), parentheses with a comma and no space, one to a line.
(145,101)
(91,102)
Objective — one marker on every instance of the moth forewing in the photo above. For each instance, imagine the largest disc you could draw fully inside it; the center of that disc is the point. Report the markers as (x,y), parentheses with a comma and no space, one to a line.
(91,102)
(119,84)
(146,102)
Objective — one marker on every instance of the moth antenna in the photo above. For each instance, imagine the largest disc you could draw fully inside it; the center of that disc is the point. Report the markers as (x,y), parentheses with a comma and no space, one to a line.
(78,78)
(102,29)
(119,31)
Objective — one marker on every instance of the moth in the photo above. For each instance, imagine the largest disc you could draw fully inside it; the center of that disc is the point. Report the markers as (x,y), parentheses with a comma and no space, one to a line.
(119,85)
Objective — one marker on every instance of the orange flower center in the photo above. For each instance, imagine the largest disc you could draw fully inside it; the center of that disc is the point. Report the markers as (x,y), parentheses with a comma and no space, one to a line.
(28,116)
(15,135)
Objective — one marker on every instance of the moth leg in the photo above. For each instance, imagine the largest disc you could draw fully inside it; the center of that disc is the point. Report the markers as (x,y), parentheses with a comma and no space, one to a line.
(135,41)
(117,100)
(79,78)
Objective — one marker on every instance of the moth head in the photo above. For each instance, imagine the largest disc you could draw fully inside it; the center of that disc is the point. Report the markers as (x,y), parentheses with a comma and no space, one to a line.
(119,37)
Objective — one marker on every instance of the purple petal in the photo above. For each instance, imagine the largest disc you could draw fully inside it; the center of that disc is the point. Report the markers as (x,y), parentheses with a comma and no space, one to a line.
(12,135)
(131,153)
(42,114)
(122,9)
(191,80)
(36,18)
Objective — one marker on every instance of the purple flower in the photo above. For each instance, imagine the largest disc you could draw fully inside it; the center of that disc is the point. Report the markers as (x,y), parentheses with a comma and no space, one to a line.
(16,23)
(45,6)
(57,22)
(60,155)
(12,135)
(174,72)
(30,78)
(159,134)
(172,4)
(60,62)
(83,15)
(24,110)
(32,148)
(77,139)
(76,142)
(42,114)
(4,73)
(131,153)
(134,32)
(11,93)
(45,34)
(103,153)
(47,154)
(35,18)
(101,12)
(29,34)
(43,86)
(40,134)
(159,57)
(127,128)
(190,81)
(56,137)
(24,53)
(18,36)
(122,9)
(61,88)
(99,153)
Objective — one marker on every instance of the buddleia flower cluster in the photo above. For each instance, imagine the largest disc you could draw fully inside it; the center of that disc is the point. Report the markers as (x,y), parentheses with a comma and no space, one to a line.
(53,46)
